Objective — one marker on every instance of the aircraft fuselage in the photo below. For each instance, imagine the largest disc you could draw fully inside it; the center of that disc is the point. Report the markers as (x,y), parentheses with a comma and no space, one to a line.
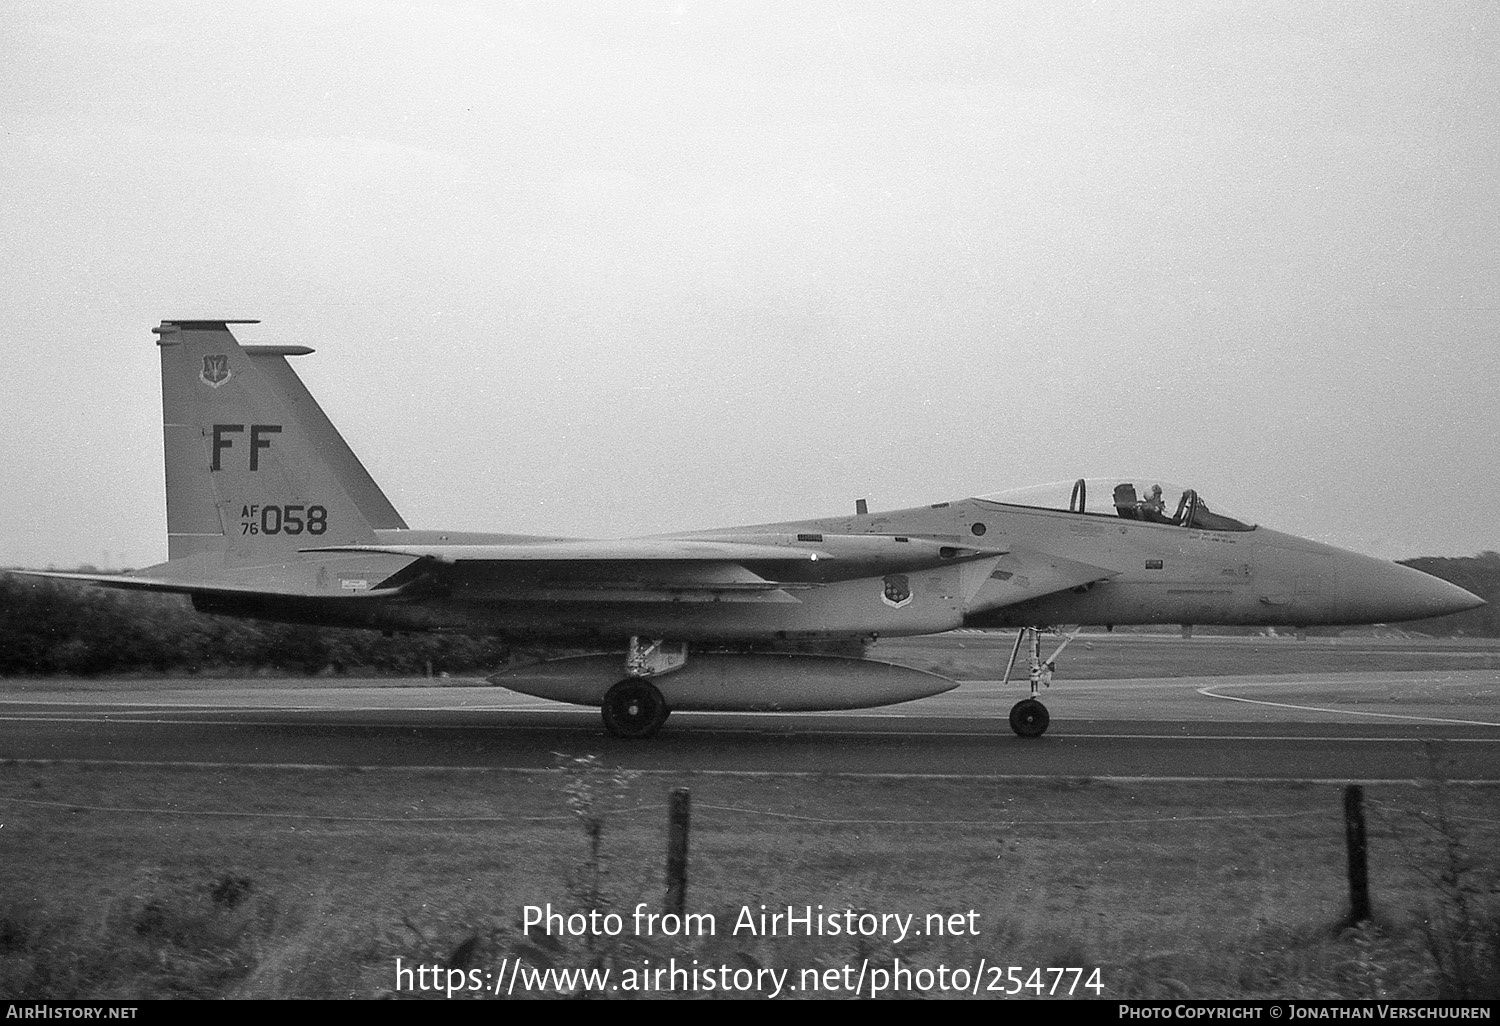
(1151,574)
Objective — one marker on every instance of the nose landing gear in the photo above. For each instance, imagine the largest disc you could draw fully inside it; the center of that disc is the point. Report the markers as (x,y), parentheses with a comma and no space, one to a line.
(1029,717)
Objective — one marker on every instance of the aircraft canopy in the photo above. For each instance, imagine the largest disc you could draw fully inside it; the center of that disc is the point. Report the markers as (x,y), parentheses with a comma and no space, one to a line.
(1146,499)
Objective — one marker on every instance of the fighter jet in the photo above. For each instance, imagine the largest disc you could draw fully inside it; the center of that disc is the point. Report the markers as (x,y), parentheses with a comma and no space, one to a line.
(270,515)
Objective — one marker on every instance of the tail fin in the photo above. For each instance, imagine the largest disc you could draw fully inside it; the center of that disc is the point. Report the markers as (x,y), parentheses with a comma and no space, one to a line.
(246,476)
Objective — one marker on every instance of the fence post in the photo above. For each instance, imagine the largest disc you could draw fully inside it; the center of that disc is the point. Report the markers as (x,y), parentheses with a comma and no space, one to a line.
(1359,869)
(677,849)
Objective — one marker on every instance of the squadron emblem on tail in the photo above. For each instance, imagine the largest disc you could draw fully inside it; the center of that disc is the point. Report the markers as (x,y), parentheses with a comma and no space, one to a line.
(215,371)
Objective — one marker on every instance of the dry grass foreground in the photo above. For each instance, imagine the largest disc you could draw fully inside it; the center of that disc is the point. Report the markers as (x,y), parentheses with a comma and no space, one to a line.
(134,882)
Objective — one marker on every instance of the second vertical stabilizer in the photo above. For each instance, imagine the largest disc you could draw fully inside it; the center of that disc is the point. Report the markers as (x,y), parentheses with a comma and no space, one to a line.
(245,475)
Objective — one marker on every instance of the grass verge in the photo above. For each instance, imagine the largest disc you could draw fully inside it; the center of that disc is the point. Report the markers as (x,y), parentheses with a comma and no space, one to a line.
(149,882)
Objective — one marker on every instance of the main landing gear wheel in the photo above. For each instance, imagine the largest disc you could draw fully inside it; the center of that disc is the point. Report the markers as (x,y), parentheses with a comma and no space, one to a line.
(634,709)
(1029,718)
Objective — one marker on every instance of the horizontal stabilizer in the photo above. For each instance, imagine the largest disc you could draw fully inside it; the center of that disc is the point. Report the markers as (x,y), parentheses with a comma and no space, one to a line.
(362,576)
(129,582)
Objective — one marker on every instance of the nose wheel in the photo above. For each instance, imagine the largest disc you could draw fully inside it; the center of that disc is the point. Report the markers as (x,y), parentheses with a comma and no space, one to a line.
(634,709)
(1029,718)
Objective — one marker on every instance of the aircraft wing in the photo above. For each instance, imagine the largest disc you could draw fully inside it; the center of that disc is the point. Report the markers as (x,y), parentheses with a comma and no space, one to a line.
(628,570)
(753,568)
(629,550)
(862,554)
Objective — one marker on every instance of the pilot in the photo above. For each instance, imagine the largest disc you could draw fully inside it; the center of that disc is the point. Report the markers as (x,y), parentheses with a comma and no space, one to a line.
(1152,508)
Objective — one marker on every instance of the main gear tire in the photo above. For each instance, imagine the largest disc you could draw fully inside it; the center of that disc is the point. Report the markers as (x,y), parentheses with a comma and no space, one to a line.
(634,709)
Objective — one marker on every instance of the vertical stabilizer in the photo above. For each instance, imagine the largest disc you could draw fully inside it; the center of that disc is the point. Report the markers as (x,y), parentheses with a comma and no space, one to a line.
(245,476)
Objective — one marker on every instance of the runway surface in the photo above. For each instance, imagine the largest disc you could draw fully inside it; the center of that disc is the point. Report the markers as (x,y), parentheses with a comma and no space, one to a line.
(1360,726)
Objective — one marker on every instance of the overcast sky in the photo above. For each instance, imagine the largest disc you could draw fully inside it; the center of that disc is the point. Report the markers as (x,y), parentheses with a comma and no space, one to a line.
(617,268)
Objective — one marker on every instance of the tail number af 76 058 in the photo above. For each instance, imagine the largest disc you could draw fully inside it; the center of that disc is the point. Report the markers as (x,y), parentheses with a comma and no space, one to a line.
(258,519)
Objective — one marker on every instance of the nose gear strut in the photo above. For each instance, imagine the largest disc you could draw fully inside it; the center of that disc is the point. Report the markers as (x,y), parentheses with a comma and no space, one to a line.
(1029,717)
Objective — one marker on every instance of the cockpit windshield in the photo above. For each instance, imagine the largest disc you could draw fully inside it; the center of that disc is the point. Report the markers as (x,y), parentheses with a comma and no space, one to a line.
(1130,498)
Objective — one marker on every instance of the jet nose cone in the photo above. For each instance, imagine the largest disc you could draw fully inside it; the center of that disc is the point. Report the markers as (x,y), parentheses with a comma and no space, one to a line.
(1444,598)
(1381,592)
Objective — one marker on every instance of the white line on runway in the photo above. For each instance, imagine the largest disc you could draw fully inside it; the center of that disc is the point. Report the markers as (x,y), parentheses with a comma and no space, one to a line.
(1208,692)
(821,732)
